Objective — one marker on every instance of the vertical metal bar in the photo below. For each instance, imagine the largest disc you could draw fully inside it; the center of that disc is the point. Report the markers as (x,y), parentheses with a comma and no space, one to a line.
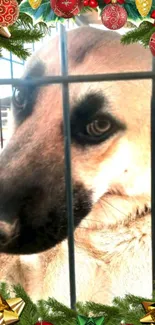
(11,69)
(68,178)
(1,126)
(153,174)
(11,65)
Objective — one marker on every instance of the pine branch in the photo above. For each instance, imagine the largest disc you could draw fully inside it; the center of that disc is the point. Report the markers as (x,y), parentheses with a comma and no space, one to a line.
(16,48)
(26,21)
(128,308)
(81,308)
(146,37)
(29,314)
(4,291)
(55,306)
(27,35)
(43,309)
(102,310)
(139,34)
(21,34)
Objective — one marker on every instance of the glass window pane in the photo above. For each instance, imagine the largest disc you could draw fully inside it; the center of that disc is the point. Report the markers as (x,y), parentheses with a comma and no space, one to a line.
(5,70)
(17,70)
(5,91)
(29,47)
(5,54)
(15,58)
(38,45)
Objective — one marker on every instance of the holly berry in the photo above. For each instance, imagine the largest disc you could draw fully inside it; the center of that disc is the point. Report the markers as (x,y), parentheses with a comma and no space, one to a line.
(93,3)
(86,3)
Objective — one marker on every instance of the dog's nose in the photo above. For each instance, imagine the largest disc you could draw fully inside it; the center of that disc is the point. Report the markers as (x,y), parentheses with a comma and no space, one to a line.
(3,237)
(6,232)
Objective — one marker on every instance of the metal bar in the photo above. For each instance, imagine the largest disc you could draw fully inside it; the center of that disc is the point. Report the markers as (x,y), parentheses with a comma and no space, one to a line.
(153,175)
(6,59)
(11,65)
(1,127)
(11,68)
(68,174)
(79,78)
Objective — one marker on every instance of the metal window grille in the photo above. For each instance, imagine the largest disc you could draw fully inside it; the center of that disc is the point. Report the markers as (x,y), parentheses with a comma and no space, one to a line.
(65,79)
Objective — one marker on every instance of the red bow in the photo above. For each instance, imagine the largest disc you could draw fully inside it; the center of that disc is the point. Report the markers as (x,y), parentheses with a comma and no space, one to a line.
(119,1)
(153,14)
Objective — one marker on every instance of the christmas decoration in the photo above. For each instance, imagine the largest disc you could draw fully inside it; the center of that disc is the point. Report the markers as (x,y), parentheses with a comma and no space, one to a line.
(9,12)
(123,323)
(82,320)
(37,16)
(150,309)
(42,322)
(153,15)
(66,8)
(152,44)
(5,32)
(10,310)
(114,16)
(143,7)
(22,32)
(141,33)
(129,309)
(86,3)
(93,3)
(35,3)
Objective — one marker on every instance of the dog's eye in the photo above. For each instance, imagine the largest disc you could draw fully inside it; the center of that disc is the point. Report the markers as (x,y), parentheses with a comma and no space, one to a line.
(97,128)
(19,99)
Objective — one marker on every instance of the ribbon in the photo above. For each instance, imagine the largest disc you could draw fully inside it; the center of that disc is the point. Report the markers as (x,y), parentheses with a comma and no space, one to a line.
(112,1)
(82,320)
(10,310)
(150,310)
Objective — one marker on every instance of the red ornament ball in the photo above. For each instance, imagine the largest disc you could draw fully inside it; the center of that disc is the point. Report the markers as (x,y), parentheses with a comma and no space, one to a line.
(66,8)
(114,16)
(9,12)
(152,44)
(93,3)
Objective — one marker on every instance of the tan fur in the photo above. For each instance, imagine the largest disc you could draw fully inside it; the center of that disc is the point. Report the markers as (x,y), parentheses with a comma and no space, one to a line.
(113,245)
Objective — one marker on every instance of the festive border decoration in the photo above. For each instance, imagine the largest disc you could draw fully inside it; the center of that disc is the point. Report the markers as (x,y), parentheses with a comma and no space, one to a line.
(46,14)
(113,14)
(127,311)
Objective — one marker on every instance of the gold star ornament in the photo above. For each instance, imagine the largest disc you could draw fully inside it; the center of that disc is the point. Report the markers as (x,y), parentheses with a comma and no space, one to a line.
(150,310)
(10,310)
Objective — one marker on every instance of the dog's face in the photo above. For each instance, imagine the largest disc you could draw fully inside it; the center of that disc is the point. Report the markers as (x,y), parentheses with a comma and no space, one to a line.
(110,134)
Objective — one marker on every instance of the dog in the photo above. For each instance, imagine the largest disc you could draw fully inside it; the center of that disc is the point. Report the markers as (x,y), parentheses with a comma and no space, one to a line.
(111,175)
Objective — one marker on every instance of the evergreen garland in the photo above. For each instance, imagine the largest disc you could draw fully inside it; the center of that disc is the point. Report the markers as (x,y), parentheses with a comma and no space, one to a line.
(22,32)
(139,34)
(128,309)
(32,25)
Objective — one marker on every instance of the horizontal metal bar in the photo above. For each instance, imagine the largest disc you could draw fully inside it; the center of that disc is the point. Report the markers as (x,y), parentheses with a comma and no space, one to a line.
(13,61)
(80,78)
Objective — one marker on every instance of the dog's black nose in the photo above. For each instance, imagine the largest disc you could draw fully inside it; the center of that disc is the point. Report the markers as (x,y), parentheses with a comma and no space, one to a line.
(7,231)
(3,237)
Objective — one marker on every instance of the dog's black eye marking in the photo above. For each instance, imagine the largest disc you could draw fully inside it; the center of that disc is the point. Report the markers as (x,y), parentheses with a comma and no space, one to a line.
(24,97)
(90,125)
